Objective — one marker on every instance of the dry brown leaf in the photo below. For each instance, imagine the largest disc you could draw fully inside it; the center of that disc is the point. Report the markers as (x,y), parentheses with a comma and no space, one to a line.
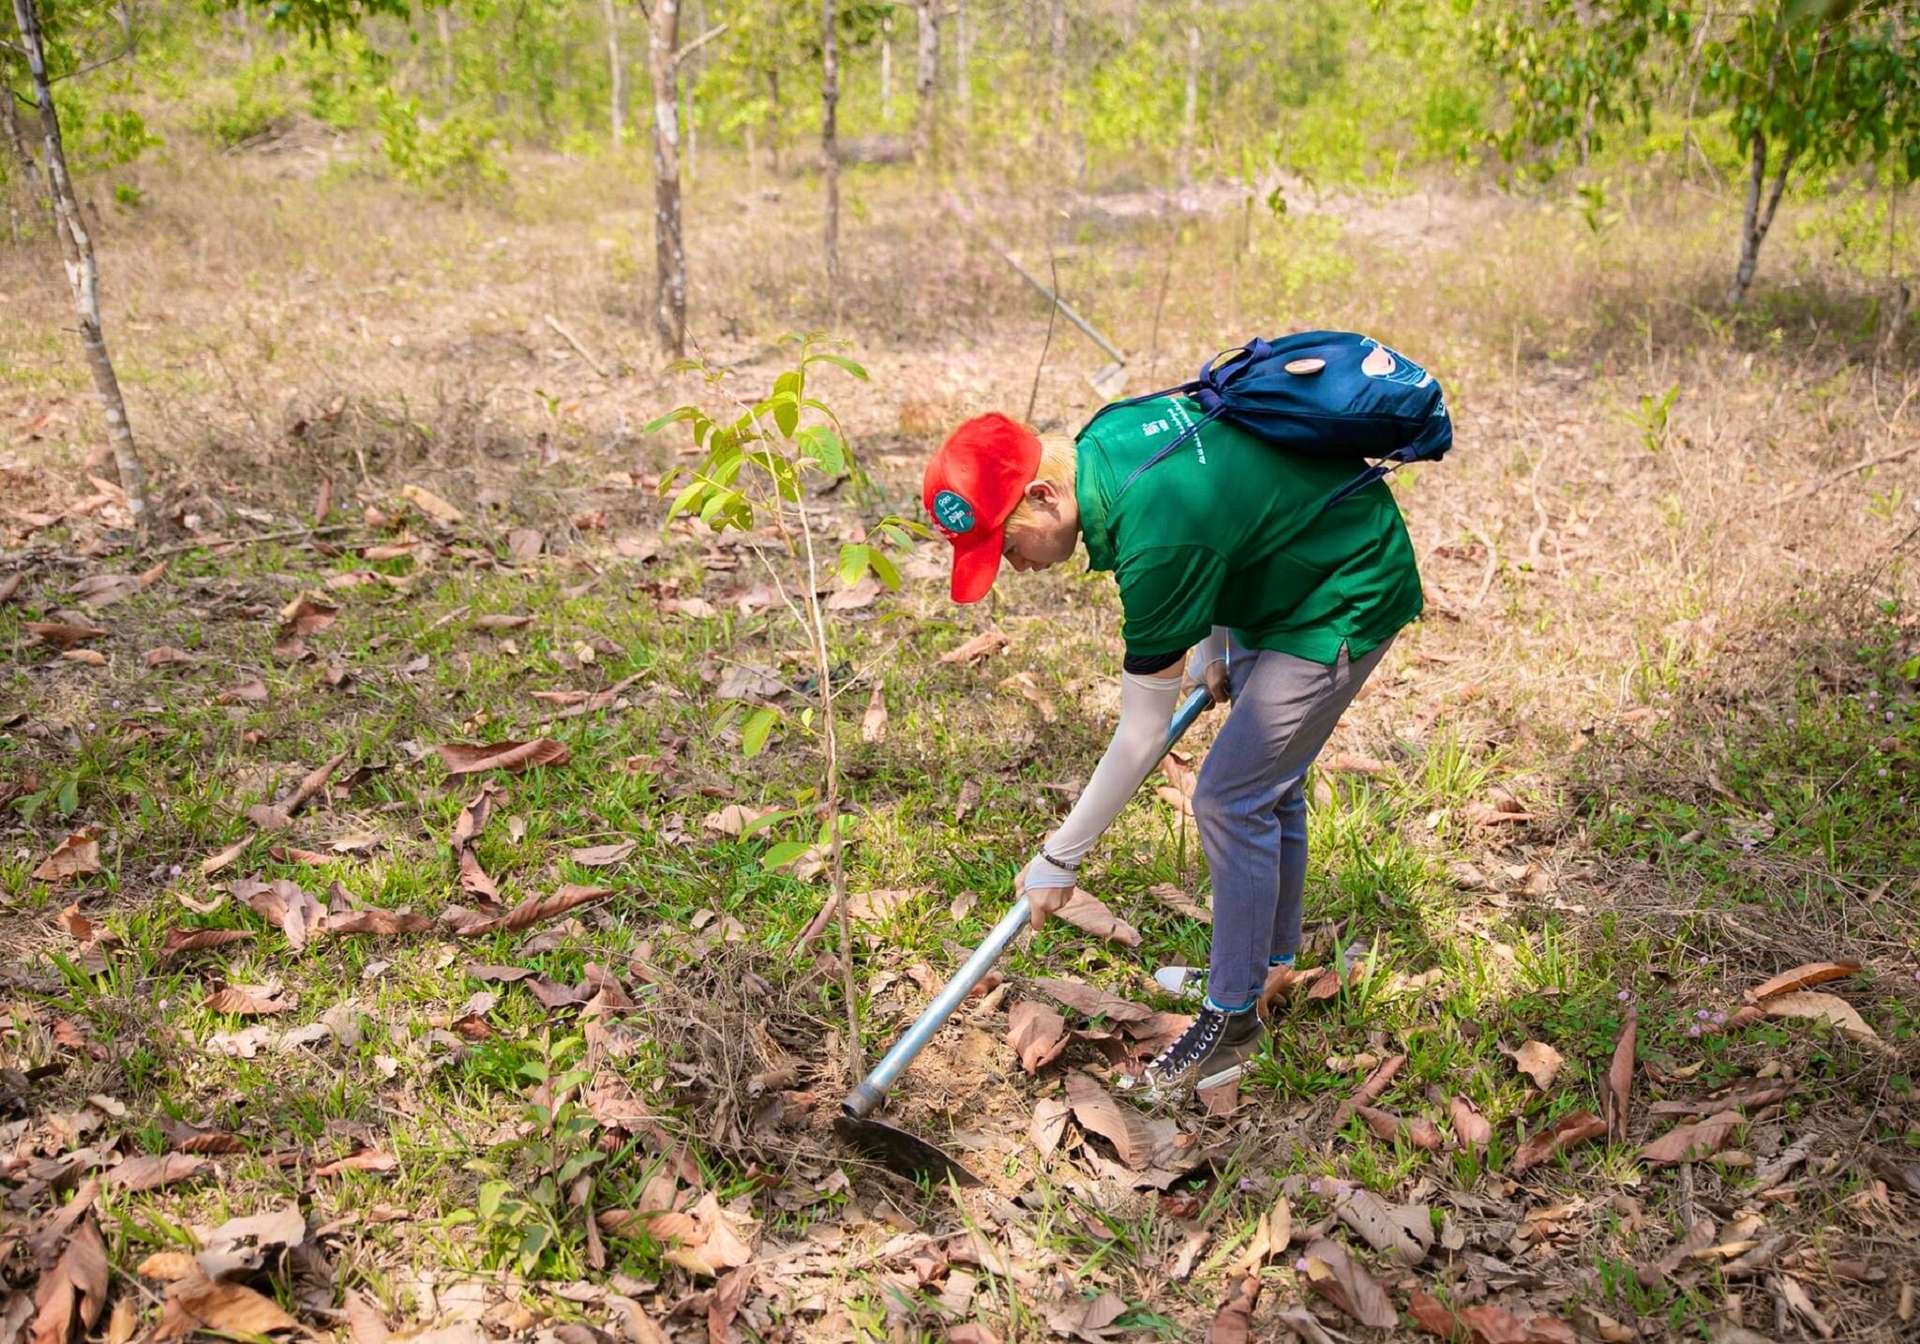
(76,856)
(150,1171)
(307,614)
(74,924)
(432,505)
(524,544)
(122,1321)
(1364,1094)
(734,819)
(73,1292)
(697,607)
(91,657)
(213,863)
(1049,1125)
(1086,999)
(166,655)
(198,1304)
(1085,911)
(1829,1008)
(728,1296)
(1404,1231)
(1036,1033)
(1233,1322)
(1690,1143)
(531,911)
(11,585)
(1336,1276)
(179,942)
(501,620)
(1796,1297)
(1354,763)
(248,1001)
(602,856)
(515,756)
(1620,1078)
(709,1239)
(981,647)
(241,1245)
(873,724)
(1803,977)
(878,904)
(1272,1231)
(367,1159)
(1180,902)
(1469,1126)
(379,922)
(366,1323)
(64,634)
(246,692)
(1126,1129)
(286,905)
(1490,1324)
(1432,1315)
(972,1332)
(1538,1060)
(1569,1130)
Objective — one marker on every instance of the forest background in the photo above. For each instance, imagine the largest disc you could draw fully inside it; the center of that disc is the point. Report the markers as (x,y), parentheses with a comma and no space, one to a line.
(463,832)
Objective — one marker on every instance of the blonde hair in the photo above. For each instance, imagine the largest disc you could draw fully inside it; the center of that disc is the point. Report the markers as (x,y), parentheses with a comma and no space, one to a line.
(1056,468)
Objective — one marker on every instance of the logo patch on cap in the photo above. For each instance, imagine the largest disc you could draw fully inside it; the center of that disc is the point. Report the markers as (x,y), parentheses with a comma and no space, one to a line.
(952,512)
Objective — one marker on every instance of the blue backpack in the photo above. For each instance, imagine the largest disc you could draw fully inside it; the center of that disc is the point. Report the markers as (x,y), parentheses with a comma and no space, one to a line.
(1331,394)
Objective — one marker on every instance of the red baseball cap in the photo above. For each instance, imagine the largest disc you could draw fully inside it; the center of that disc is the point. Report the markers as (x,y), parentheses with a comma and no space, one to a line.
(972,485)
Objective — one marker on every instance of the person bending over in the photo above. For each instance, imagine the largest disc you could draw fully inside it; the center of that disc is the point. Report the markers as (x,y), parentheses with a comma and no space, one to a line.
(1229,563)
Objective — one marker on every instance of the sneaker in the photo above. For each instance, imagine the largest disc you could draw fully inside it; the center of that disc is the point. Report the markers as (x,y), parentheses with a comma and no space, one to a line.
(1190,982)
(1210,1053)
(1183,982)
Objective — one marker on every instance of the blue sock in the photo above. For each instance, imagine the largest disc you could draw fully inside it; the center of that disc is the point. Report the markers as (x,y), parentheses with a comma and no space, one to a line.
(1231,1011)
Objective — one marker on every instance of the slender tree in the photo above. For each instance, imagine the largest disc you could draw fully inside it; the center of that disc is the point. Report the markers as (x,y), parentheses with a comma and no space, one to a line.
(1190,107)
(617,73)
(83,271)
(830,142)
(962,72)
(664,58)
(925,90)
(669,249)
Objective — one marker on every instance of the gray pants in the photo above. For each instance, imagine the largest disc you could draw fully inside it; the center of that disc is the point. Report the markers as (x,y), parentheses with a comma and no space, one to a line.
(1251,812)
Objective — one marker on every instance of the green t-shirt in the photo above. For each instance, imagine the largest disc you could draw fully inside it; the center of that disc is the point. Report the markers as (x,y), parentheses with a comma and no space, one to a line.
(1228,530)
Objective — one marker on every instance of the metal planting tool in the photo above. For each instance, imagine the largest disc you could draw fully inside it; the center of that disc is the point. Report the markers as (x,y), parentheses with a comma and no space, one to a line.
(893,1147)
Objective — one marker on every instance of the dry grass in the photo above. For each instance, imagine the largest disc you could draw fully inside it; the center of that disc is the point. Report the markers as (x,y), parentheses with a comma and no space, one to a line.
(1621,609)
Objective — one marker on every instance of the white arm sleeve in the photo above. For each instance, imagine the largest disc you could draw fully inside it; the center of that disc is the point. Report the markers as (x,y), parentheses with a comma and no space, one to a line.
(1139,741)
(1212,649)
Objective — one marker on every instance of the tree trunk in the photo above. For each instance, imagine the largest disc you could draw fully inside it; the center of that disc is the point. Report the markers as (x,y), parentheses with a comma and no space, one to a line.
(830,143)
(669,252)
(925,91)
(886,81)
(962,70)
(1754,221)
(83,274)
(773,121)
(1190,110)
(16,140)
(617,71)
(444,22)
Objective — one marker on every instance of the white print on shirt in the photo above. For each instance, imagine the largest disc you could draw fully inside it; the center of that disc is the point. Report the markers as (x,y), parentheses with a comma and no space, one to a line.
(1179,413)
(1153,427)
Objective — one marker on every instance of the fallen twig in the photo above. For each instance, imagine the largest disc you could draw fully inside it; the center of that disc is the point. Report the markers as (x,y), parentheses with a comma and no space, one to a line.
(1864,464)
(578,348)
(215,543)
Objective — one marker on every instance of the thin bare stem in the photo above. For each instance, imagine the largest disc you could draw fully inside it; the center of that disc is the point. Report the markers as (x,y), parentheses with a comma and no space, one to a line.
(1053,312)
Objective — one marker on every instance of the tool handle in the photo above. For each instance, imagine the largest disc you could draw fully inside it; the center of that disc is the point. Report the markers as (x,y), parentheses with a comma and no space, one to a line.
(873,1088)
